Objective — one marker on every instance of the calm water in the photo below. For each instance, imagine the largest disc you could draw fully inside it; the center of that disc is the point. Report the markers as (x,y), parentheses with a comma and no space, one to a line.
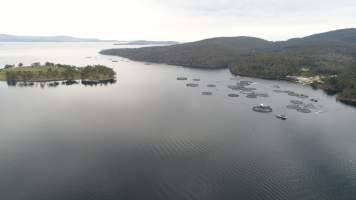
(150,137)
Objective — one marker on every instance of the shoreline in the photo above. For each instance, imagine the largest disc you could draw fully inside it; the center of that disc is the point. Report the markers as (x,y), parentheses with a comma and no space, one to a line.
(54,83)
(348,101)
(54,73)
(314,83)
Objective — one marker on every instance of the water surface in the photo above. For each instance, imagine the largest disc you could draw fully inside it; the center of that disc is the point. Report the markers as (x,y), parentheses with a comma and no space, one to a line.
(150,137)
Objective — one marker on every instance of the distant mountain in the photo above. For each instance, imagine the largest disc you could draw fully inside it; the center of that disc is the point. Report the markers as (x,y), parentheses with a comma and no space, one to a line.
(324,53)
(343,36)
(145,42)
(14,38)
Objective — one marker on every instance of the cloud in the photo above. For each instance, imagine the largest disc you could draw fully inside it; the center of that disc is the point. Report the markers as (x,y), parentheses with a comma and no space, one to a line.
(271,19)
(246,6)
(183,20)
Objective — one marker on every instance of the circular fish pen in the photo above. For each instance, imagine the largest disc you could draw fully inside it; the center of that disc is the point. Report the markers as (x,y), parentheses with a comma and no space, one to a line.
(303,96)
(233,87)
(279,91)
(301,108)
(265,95)
(245,89)
(207,93)
(304,110)
(182,78)
(192,85)
(251,96)
(310,106)
(233,95)
(296,102)
(262,109)
(245,83)
(293,94)
(293,107)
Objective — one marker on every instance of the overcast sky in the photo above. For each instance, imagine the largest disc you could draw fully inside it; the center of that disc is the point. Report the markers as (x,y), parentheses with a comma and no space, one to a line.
(181,20)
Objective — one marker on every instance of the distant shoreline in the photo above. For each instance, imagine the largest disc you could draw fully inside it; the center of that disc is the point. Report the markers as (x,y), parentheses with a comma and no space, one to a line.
(16,38)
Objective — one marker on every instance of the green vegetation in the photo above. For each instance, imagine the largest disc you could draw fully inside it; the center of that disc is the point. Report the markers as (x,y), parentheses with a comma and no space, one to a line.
(266,65)
(55,72)
(211,53)
(330,56)
(96,72)
(344,84)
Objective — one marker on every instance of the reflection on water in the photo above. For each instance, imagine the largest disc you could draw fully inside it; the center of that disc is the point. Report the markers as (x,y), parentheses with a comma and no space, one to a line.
(58,83)
(151,137)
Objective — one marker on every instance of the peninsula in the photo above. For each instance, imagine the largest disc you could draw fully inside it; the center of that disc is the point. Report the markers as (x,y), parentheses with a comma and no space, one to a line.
(325,60)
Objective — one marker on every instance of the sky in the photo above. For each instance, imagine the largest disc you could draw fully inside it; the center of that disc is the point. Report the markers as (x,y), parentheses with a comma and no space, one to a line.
(179,20)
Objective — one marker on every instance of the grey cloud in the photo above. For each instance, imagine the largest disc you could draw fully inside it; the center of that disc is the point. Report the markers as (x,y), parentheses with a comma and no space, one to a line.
(246,6)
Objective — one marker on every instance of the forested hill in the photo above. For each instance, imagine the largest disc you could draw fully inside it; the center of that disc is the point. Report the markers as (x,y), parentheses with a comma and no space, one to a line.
(209,53)
(343,36)
(224,51)
(326,53)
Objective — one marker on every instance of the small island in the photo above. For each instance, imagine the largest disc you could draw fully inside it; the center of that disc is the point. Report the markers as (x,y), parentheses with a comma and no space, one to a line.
(50,72)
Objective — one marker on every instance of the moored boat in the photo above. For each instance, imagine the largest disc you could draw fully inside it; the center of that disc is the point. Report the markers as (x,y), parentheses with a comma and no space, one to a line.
(281,117)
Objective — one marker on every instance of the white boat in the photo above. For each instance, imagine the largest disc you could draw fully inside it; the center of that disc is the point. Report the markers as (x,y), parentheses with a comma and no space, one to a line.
(282,117)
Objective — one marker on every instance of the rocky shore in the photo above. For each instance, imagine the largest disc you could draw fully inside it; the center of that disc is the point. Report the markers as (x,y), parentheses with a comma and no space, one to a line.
(349,101)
